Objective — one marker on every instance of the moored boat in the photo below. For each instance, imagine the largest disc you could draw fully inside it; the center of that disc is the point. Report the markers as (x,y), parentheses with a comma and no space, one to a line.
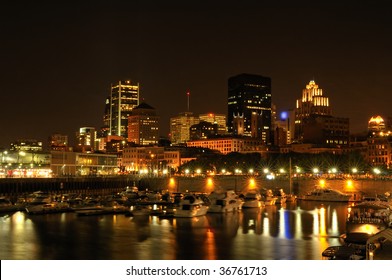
(7,206)
(48,208)
(224,202)
(325,194)
(253,199)
(367,219)
(191,205)
(114,208)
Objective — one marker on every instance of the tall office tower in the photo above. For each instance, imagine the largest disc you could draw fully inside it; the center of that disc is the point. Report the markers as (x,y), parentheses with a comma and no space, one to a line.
(123,97)
(143,124)
(180,126)
(312,103)
(249,106)
(218,119)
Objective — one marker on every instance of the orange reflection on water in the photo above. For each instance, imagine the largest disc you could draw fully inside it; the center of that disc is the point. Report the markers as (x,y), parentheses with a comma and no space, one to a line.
(210,245)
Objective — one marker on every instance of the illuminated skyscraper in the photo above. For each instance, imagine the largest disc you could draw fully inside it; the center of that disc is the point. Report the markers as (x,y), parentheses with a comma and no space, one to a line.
(312,103)
(376,125)
(143,124)
(123,97)
(249,106)
(180,127)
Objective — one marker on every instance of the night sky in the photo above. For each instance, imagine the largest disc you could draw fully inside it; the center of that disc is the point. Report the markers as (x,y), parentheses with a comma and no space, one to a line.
(58,58)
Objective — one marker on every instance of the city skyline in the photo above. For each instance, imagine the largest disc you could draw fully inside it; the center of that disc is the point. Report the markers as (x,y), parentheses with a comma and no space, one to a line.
(59,61)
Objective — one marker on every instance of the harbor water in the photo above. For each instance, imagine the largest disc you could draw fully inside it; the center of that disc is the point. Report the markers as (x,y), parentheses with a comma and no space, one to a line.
(292,231)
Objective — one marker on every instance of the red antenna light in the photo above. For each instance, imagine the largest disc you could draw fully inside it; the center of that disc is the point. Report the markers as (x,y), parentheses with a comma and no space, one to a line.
(188,94)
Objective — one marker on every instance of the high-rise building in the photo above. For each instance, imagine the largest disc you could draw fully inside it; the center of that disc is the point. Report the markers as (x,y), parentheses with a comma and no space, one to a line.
(124,96)
(86,139)
(143,125)
(326,131)
(312,103)
(249,106)
(180,127)
(219,119)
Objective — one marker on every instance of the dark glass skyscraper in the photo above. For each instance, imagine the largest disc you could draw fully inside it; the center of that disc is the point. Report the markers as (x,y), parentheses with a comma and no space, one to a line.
(249,106)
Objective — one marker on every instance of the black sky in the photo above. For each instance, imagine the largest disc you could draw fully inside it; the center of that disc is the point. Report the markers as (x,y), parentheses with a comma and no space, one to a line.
(58,58)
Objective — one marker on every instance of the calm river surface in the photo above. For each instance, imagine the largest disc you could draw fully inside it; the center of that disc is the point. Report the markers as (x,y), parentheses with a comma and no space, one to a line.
(298,231)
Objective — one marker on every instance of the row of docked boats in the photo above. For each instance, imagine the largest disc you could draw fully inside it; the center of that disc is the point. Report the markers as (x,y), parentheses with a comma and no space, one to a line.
(138,203)
(366,219)
(197,204)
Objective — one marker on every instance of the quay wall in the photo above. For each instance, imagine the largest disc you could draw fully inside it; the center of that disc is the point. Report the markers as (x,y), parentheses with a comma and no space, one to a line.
(13,187)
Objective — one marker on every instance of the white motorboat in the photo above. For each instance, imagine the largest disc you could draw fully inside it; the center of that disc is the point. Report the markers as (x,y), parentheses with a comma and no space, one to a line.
(191,205)
(366,219)
(253,199)
(224,202)
(325,194)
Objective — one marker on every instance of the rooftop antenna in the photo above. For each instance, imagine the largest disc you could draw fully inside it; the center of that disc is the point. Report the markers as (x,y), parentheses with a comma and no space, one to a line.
(188,94)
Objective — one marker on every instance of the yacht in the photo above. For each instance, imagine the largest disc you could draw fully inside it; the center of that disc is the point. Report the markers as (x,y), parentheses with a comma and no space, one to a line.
(47,208)
(366,219)
(253,199)
(7,206)
(325,194)
(191,205)
(224,202)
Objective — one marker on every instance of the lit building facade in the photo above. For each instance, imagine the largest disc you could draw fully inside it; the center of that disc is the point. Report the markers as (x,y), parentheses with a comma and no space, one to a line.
(203,130)
(380,151)
(327,131)
(218,119)
(58,142)
(143,160)
(143,125)
(249,106)
(27,145)
(180,127)
(226,145)
(124,96)
(376,125)
(85,139)
(83,164)
(312,103)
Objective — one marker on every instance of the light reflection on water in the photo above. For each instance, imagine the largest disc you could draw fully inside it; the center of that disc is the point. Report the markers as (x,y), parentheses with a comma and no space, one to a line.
(294,231)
